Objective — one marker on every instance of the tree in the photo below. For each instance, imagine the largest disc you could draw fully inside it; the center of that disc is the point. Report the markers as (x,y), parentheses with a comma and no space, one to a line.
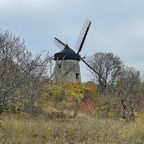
(128,89)
(106,68)
(20,72)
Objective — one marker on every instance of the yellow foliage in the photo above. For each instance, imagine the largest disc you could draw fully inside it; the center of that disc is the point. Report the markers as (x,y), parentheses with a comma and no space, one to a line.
(138,117)
(35,104)
(110,114)
(67,92)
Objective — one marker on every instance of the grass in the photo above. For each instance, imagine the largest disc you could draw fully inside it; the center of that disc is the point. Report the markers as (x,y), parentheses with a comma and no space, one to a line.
(84,129)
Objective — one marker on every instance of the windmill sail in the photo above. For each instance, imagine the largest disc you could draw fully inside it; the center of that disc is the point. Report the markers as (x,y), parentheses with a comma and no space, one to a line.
(89,65)
(56,68)
(59,43)
(82,36)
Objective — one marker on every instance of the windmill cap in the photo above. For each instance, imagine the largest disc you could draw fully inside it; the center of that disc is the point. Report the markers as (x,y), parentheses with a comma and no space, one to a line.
(67,53)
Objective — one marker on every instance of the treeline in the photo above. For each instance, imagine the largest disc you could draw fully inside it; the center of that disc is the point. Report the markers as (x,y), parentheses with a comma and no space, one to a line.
(116,90)
(117,82)
(20,72)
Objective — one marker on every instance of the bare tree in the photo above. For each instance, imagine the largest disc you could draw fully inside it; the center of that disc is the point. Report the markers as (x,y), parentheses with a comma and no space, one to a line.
(105,69)
(19,70)
(128,89)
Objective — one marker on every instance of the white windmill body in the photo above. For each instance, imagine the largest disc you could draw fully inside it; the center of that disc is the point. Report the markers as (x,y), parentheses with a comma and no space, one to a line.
(67,66)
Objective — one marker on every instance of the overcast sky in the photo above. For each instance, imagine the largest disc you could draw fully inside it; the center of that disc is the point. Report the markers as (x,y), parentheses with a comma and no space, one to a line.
(117,26)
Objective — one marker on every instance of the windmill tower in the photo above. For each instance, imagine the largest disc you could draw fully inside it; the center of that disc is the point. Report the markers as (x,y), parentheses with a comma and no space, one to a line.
(67,60)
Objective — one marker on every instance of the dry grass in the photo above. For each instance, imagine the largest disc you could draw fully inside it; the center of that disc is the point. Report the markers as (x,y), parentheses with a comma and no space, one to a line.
(20,129)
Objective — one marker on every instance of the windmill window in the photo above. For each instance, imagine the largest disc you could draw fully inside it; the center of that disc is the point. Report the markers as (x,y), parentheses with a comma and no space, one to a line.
(59,65)
(77,75)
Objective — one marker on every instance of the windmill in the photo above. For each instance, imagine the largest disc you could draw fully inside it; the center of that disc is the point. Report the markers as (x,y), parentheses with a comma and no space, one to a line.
(67,60)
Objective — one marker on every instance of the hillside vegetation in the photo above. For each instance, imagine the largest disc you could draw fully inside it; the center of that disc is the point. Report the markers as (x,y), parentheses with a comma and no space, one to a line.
(34,110)
(72,113)
(84,129)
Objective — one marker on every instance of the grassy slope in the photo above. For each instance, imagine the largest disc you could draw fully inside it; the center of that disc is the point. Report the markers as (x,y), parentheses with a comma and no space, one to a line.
(19,129)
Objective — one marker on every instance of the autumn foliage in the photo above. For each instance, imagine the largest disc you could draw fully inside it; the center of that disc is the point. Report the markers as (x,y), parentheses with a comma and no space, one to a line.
(87,105)
(68,95)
